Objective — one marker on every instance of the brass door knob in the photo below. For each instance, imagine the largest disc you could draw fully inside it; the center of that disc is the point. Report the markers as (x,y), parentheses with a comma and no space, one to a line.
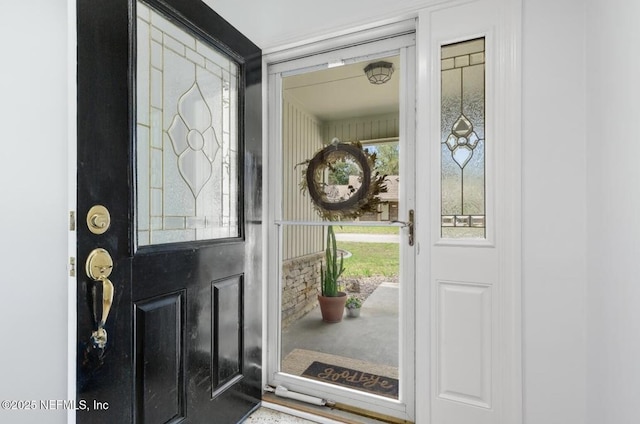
(98,267)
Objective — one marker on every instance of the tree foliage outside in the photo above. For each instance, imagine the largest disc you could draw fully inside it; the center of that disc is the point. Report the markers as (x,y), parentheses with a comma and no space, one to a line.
(339,175)
(387,163)
(388,159)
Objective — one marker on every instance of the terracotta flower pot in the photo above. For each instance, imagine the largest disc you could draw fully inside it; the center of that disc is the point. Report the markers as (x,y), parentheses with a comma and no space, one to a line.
(332,308)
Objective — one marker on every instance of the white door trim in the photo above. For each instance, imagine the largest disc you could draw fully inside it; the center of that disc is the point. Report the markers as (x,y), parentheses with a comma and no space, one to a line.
(504,80)
(72,170)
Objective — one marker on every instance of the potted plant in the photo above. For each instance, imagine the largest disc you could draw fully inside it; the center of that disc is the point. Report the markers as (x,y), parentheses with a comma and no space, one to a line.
(331,299)
(353,306)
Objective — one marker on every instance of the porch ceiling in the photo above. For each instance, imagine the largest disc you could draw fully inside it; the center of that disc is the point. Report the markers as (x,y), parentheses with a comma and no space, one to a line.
(345,92)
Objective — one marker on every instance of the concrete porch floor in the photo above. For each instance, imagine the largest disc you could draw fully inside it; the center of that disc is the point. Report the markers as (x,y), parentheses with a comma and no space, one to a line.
(372,337)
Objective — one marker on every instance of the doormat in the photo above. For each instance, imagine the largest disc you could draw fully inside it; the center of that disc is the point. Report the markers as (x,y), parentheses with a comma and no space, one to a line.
(372,383)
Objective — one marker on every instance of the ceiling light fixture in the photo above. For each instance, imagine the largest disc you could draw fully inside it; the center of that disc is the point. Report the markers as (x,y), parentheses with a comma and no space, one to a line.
(379,72)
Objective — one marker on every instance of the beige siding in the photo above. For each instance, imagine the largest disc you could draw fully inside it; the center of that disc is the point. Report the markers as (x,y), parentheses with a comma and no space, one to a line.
(301,138)
(359,129)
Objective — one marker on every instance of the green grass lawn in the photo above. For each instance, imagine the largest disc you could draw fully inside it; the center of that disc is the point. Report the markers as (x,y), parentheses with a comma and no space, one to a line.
(371,259)
(365,230)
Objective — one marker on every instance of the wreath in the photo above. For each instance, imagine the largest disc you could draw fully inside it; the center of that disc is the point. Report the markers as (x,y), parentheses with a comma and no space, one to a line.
(337,202)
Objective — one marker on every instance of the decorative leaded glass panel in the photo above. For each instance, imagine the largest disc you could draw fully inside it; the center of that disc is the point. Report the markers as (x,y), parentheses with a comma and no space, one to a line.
(462,129)
(187,135)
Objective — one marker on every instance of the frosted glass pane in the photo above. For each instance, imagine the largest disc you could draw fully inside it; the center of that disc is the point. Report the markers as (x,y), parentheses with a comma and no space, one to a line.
(450,102)
(142,153)
(463,232)
(142,90)
(187,171)
(451,184)
(473,183)
(463,144)
(473,89)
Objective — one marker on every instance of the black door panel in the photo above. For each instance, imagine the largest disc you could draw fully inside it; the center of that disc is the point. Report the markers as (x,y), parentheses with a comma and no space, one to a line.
(184,331)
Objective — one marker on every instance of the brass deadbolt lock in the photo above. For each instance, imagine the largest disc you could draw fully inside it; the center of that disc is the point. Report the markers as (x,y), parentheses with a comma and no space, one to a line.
(98,219)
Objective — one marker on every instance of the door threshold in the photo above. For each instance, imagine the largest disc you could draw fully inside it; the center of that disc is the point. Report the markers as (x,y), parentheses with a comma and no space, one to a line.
(339,413)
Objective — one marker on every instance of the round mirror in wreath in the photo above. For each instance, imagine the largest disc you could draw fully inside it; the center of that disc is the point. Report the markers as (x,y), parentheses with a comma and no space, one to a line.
(341,181)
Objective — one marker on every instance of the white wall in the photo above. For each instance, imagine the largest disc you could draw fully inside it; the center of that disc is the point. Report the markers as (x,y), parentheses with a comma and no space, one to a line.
(278,22)
(554,211)
(33,217)
(613,64)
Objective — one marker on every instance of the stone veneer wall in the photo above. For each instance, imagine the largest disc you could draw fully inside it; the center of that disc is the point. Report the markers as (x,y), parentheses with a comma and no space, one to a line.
(300,285)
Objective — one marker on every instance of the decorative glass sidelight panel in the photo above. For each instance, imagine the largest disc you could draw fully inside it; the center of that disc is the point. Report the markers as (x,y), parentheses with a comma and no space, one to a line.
(187,135)
(463,140)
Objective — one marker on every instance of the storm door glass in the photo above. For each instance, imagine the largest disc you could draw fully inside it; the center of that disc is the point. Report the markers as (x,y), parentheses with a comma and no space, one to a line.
(358,349)
(463,140)
(187,135)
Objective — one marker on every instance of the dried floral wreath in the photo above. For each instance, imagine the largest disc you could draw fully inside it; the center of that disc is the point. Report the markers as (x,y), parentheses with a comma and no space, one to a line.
(331,203)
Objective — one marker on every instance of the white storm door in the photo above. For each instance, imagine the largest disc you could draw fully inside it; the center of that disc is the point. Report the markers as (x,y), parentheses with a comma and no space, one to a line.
(467,217)
(399,44)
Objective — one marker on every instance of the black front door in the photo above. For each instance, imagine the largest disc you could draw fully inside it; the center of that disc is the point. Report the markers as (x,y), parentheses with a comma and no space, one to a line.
(169,149)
